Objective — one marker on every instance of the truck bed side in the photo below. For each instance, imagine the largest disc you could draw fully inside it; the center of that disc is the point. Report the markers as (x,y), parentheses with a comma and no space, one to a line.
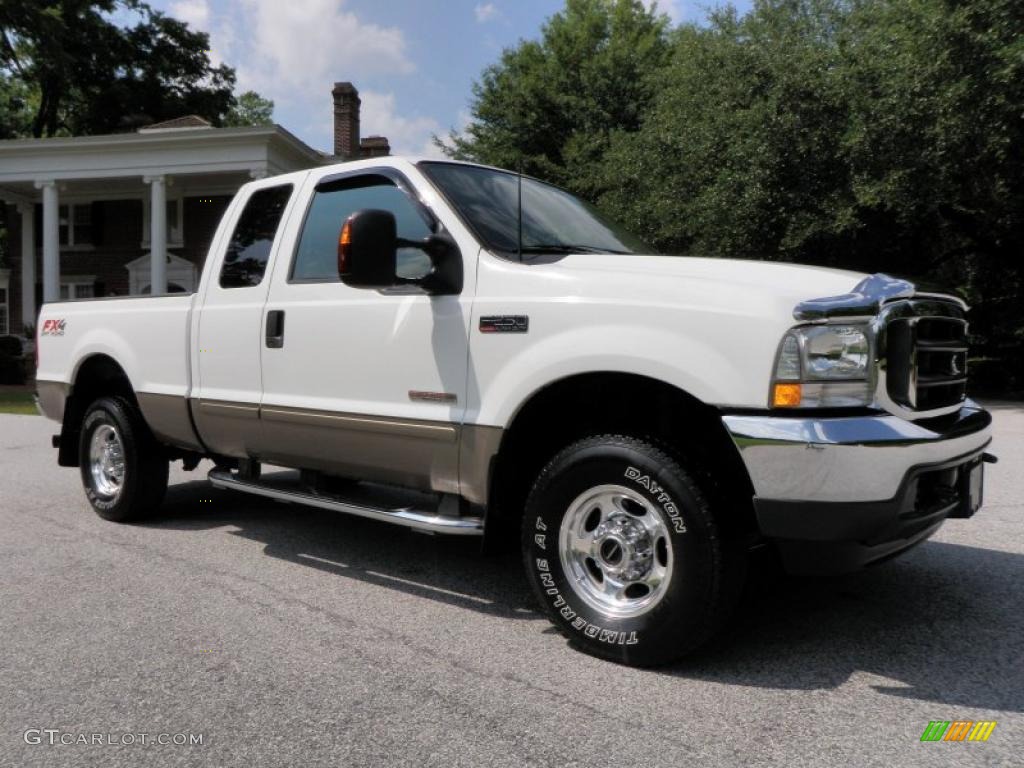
(147,338)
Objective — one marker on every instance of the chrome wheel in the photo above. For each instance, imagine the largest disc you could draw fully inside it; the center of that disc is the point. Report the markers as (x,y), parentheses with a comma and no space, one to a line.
(106,461)
(616,551)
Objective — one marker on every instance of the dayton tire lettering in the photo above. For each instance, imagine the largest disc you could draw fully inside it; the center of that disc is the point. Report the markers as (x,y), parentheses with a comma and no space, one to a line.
(660,495)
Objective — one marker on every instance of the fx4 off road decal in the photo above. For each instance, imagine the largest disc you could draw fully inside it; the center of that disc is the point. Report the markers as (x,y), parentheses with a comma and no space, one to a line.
(660,495)
(53,327)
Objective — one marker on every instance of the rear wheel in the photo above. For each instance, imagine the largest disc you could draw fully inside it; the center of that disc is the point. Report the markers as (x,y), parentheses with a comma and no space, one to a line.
(623,551)
(123,470)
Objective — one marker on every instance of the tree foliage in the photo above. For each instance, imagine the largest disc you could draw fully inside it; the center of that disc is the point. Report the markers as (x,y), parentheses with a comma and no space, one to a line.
(250,109)
(75,67)
(552,105)
(878,135)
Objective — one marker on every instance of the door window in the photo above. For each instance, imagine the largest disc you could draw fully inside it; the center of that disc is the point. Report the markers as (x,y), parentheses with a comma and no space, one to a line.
(246,258)
(316,258)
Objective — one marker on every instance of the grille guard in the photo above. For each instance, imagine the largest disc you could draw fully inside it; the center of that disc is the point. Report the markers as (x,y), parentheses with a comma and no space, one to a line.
(866,299)
(881,299)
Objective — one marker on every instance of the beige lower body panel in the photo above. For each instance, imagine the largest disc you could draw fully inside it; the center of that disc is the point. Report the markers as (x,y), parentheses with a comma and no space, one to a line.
(477,449)
(168,418)
(429,455)
(228,428)
(415,454)
(51,397)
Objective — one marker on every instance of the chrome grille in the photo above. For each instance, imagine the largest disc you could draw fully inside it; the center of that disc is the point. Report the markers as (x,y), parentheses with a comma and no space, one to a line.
(926,357)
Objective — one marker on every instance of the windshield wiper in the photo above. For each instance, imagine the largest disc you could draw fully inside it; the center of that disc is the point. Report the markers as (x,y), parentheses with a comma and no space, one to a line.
(567,248)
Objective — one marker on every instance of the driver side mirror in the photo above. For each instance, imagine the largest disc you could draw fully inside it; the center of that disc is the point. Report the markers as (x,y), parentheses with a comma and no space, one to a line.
(368,255)
(368,250)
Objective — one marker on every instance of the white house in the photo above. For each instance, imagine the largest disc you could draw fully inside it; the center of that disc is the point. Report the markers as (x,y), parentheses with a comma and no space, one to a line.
(134,213)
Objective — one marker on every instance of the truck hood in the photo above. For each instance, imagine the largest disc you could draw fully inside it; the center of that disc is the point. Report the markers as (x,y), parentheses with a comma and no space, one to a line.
(696,280)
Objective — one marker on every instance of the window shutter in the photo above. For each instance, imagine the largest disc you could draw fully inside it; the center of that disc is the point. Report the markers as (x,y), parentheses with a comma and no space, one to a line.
(98,209)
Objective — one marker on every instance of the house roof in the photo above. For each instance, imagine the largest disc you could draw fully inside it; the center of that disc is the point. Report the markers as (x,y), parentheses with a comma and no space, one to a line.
(172,150)
(186,121)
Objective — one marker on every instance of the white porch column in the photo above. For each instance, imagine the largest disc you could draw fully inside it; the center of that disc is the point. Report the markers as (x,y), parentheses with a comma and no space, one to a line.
(157,235)
(28,263)
(51,241)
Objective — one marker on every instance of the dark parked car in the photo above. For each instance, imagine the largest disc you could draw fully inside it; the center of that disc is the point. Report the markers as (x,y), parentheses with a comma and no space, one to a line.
(13,363)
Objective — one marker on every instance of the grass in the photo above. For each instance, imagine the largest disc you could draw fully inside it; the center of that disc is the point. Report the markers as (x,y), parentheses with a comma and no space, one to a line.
(18,402)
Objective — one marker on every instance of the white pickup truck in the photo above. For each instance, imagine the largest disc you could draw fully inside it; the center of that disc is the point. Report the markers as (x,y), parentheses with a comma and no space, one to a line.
(460,350)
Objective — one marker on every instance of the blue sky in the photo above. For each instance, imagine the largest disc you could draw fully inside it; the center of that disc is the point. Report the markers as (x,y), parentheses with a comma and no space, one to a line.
(413,61)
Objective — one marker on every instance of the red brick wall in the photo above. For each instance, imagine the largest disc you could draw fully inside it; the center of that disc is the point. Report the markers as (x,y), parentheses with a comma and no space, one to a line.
(202,215)
(118,225)
(118,236)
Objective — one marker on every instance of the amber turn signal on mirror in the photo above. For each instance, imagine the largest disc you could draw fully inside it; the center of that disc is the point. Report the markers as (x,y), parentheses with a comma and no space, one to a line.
(344,244)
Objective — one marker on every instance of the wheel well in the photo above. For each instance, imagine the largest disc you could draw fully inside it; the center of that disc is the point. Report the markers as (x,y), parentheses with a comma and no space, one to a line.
(619,403)
(98,376)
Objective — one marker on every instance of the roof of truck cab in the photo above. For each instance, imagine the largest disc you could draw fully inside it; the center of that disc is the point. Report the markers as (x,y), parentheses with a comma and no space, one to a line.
(397,161)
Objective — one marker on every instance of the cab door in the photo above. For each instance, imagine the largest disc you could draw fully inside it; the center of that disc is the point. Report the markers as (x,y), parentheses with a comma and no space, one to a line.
(361,382)
(227,344)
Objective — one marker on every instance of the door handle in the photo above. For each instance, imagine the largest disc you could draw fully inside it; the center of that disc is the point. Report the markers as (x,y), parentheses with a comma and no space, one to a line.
(275,329)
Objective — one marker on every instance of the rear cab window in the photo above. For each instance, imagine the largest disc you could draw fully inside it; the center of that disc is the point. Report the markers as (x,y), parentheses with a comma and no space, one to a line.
(247,253)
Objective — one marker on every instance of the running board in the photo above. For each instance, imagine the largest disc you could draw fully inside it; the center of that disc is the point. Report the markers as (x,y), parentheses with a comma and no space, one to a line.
(432,521)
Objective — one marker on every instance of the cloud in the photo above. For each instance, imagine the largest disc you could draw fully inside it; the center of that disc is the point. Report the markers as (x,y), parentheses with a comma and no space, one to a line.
(295,46)
(292,51)
(407,135)
(195,13)
(672,8)
(484,12)
(288,50)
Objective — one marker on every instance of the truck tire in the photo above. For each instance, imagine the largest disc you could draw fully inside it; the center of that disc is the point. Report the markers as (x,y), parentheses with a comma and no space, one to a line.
(623,551)
(123,470)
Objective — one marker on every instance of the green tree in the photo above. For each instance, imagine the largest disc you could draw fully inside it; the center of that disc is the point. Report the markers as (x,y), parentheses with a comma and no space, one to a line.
(16,107)
(82,73)
(552,104)
(878,135)
(250,108)
(739,153)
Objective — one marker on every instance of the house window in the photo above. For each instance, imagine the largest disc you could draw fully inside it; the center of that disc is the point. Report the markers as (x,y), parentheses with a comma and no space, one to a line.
(4,319)
(83,289)
(173,221)
(75,224)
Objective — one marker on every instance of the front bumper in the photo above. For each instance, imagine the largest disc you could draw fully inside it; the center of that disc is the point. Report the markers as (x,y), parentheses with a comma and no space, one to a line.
(838,493)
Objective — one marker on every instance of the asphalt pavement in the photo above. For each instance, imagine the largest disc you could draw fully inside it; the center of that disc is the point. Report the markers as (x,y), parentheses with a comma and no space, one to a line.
(290,636)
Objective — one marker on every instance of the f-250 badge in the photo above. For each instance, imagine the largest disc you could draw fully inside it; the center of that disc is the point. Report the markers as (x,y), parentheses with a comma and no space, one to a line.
(54,327)
(504,324)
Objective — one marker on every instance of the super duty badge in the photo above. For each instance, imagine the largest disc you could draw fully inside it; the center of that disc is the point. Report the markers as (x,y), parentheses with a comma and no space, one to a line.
(504,324)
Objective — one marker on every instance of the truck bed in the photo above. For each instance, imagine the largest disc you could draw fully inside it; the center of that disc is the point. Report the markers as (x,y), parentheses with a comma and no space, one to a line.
(148,336)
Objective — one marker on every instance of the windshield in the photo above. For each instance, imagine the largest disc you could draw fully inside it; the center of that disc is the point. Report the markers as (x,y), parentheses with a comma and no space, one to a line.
(553,220)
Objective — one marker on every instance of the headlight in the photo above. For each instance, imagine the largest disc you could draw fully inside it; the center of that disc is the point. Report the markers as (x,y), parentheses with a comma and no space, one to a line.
(823,366)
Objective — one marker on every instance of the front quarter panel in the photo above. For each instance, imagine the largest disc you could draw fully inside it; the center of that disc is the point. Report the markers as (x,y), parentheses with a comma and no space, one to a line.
(715,342)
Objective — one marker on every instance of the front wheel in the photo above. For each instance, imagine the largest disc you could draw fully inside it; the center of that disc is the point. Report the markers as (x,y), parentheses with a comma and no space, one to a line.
(623,551)
(123,471)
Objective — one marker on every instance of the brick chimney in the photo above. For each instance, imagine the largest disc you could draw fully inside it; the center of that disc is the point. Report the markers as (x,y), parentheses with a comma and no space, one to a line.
(346,120)
(374,146)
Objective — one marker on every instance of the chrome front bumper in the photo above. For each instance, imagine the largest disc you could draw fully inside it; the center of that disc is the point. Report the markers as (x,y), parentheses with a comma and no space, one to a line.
(849,459)
(840,492)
